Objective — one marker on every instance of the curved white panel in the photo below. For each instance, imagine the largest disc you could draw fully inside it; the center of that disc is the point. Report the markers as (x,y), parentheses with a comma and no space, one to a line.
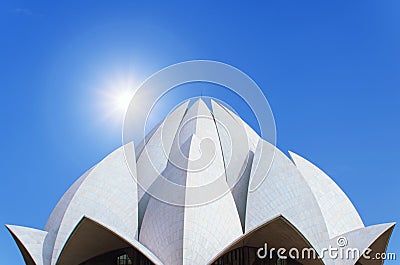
(56,217)
(234,143)
(107,194)
(154,156)
(339,213)
(360,239)
(209,227)
(252,136)
(32,240)
(284,192)
(192,234)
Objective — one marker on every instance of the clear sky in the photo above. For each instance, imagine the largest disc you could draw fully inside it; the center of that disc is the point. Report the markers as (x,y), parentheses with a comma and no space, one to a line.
(329,69)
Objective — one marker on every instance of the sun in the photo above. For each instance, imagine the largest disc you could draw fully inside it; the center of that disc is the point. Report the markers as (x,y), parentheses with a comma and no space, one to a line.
(122,99)
(118,100)
(116,96)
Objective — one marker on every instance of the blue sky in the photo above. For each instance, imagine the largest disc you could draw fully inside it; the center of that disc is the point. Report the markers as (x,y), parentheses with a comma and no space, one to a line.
(329,69)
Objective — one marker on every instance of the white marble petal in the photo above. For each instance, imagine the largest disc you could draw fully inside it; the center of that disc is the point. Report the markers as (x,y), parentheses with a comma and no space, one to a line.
(284,191)
(338,211)
(32,240)
(108,194)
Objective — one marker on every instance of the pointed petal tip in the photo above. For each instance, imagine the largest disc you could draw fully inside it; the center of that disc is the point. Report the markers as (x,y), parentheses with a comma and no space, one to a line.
(201,103)
(184,105)
(191,140)
(293,154)
(294,157)
(215,105)
(219,105)
(198,106)
(130,144)
(389,225)
(11,228)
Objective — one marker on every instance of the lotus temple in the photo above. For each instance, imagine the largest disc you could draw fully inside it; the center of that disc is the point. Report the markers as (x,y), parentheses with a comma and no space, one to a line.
(122,211)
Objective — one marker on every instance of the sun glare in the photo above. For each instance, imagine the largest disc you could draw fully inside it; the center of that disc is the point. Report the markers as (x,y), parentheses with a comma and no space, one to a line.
(122,99)
(116,97)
